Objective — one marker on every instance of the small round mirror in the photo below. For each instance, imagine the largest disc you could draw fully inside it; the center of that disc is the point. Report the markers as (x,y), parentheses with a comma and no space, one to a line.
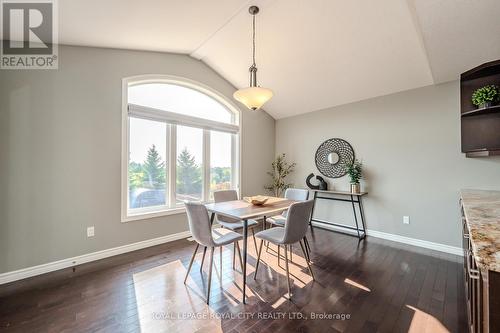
(333,158)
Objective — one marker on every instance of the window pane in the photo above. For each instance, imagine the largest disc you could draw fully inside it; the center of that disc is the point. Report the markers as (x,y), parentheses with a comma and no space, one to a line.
(147,168)
(220,161)
(178,99)
(189,185)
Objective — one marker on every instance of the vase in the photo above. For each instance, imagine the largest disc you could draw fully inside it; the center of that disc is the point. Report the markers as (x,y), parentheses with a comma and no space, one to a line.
(355,188)
(485,105)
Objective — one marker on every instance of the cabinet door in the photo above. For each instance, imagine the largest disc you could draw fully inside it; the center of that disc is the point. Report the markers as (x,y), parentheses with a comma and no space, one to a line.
(475,293)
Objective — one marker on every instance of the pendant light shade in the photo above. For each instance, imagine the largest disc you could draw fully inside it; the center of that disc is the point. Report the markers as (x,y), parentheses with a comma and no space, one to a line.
(253,97)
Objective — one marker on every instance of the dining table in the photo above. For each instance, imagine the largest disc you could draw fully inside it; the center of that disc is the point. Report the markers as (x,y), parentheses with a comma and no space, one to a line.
(243,210)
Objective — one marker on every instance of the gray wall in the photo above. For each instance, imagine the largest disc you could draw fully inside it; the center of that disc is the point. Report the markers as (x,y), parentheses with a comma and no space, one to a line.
(60,148)
(410,146)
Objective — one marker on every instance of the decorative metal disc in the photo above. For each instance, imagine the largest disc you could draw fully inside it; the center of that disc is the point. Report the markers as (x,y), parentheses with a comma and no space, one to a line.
(337,168)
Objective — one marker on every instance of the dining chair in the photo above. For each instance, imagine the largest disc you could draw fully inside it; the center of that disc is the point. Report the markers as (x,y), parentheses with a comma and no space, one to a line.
(294,230)
(295,194)
(201,230)
(230,223)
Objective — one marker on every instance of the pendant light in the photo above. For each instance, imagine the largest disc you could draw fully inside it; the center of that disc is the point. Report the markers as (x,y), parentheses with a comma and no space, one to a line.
(253,97)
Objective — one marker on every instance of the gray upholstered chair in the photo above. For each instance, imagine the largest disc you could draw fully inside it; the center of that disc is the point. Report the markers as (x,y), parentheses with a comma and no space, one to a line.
(229,223)
(296,224)
(295,194)
(201,230)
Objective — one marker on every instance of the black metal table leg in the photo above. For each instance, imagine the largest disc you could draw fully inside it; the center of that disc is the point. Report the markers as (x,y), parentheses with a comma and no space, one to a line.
(312,210)
(362,216)
(212,218)
(355,216)
(245,236)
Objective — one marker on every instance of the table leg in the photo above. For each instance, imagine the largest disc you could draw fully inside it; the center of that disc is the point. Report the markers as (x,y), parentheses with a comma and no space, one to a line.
(362,216)
(312,210)
(212,218)
(355,216)
(245,237)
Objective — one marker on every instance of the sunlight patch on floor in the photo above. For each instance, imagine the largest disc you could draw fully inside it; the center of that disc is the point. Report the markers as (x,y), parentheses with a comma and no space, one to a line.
(424,322)
(357,285)
(161,304)
(297,267)
(280,301)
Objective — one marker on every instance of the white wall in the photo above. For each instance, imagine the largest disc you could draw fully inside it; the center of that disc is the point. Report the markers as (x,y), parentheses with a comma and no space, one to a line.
(60,150)
(410,146)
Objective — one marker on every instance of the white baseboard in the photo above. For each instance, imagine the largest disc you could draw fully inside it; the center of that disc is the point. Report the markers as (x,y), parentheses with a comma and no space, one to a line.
(70,262)
(400,239)
(417,242)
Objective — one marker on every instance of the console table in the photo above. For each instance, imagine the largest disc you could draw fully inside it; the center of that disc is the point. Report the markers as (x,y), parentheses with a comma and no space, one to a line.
(353,198)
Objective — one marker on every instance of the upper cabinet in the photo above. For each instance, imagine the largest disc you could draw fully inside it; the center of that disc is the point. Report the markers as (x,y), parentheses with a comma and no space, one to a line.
(480,124)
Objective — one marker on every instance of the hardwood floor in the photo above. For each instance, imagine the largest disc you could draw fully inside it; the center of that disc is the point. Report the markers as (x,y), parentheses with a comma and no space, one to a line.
(379,285)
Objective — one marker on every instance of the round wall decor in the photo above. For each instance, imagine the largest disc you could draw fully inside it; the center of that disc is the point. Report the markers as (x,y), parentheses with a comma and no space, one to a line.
(333,156)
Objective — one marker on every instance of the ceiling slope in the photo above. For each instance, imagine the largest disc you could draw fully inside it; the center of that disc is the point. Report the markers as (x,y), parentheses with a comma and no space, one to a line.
(313,54)
(458,34)
(317,54)
(178,26)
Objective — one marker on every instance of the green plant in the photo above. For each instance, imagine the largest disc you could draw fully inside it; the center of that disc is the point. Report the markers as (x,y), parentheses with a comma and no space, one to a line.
(280,170)
(355,170)
(485,94)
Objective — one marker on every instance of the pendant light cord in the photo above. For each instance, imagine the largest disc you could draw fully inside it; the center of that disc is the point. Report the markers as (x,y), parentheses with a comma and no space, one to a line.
(253,40)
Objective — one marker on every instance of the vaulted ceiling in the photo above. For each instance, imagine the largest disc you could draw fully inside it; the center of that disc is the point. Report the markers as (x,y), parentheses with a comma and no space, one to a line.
(313,54)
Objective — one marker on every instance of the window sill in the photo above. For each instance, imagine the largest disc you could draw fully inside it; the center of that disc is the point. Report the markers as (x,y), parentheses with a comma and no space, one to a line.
(145,215)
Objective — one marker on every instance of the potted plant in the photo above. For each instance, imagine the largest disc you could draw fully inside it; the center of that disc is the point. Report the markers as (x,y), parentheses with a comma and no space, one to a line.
(485,96)
(354,170)
(280,170)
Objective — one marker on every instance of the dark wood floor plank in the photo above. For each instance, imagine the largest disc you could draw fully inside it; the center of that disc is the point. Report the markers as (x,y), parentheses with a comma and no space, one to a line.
(383,286)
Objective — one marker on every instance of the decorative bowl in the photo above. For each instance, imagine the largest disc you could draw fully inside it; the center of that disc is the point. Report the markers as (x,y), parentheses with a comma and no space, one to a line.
(257,200)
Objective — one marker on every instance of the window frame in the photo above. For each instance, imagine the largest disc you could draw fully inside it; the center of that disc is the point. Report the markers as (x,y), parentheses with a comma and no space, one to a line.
(172,119)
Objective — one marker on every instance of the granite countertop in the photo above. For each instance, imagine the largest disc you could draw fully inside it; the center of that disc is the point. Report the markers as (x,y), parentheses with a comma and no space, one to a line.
(482,212)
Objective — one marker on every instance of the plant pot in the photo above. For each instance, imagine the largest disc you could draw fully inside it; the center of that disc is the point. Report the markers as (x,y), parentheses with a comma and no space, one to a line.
(485,105)
(355,188)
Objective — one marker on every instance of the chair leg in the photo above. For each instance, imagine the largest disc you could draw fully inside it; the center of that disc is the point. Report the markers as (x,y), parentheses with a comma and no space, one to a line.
(279,255)
(191,262)
(291,253)
(307,261)
(234,254)
(210,273)
(203,258)
(239,254)
(308,258)
(306,243)
(254,240)
(287,272)
(267,244)
(258,259)
(221,261)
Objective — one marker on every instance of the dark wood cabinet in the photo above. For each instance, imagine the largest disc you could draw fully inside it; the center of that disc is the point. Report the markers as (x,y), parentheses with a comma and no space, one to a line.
(480,128)
(482,290)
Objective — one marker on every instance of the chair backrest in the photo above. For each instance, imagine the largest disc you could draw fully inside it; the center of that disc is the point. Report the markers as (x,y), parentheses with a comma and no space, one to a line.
(297,221)
(222,196)
(199,223)
(296,194)
(225,195)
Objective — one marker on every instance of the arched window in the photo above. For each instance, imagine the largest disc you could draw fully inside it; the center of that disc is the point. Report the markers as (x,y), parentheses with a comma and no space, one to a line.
(180,143)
